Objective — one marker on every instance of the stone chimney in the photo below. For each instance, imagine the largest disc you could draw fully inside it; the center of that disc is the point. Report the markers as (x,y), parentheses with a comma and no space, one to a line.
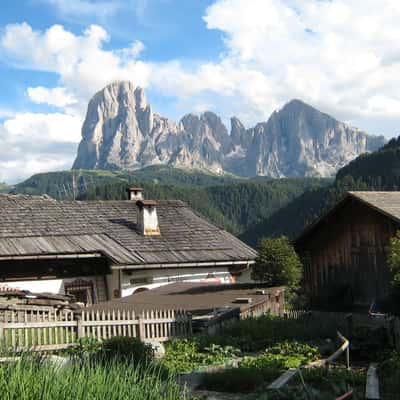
(135,193)
(147,219)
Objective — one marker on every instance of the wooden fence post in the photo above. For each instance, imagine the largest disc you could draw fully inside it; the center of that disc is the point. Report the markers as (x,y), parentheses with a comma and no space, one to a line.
(190,324)
(79,327)
(142,329)
(2,341)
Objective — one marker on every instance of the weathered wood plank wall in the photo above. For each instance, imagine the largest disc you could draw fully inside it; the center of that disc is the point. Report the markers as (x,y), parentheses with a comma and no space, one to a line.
(349,251)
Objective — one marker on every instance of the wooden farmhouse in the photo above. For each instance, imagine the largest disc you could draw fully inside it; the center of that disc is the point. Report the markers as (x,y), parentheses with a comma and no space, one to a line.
(345,252)
(101,250)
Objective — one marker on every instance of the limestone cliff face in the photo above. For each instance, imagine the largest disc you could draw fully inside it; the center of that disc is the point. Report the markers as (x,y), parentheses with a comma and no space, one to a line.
(301,141)
(122,132)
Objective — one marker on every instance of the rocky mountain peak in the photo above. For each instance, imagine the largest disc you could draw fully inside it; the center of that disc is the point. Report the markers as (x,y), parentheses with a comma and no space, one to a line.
(120,131)
(297,104)
(140,98)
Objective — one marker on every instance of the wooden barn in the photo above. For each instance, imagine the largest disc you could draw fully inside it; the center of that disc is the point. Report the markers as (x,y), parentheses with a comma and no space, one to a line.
(100,250)
(345,252)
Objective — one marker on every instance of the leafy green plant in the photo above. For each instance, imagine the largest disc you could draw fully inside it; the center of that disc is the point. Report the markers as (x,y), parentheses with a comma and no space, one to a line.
(224,351)
(83,349)
(127,349)
(262,368)
(185,355)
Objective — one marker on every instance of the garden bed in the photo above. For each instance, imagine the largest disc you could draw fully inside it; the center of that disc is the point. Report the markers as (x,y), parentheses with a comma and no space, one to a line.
(249,337)
(253,372)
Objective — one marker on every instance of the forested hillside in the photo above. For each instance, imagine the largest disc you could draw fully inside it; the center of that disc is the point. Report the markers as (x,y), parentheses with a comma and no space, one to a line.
(235,204)
(70,184)
(379,170)
(4,187)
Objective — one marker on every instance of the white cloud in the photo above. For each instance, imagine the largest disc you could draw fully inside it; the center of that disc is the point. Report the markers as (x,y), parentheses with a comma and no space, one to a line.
(43,128)
(333,54)
(341,56)
(58,96)
(133,51)
(79,8)
(6,113)
(338,55)
(32,143)
(83,66)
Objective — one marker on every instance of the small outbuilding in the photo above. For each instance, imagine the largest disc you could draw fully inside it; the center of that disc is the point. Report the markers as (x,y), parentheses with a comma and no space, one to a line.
(345,252)
(211,306)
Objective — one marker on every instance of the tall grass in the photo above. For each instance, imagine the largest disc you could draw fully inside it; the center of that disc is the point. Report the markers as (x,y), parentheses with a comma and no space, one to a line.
(33,379)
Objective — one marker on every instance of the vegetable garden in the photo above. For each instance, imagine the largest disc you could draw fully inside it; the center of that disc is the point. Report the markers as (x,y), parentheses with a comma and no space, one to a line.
(246,357)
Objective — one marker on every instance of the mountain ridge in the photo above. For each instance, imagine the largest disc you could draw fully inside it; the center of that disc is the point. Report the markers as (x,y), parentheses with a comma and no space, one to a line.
(121,132)
(376,171)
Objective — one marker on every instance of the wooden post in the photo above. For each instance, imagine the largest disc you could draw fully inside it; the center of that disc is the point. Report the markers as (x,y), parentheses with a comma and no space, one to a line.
(79,326)
(2,341)
(190,324)
(142,329)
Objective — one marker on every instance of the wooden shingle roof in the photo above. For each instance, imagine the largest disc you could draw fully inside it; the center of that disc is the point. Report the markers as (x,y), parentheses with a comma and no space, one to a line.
(387,203)
(31,225)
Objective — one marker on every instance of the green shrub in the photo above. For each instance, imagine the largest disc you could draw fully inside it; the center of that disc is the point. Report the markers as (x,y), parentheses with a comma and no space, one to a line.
(84,349)
(127,349)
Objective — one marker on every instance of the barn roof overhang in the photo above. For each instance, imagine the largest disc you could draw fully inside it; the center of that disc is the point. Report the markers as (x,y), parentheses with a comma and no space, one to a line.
(361,197)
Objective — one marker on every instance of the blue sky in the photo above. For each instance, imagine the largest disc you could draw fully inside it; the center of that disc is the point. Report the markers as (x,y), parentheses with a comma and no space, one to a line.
(171,29)
(234,57)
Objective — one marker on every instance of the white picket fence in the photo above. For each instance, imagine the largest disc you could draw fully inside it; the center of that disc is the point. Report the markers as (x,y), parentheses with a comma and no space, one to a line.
(52,330)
